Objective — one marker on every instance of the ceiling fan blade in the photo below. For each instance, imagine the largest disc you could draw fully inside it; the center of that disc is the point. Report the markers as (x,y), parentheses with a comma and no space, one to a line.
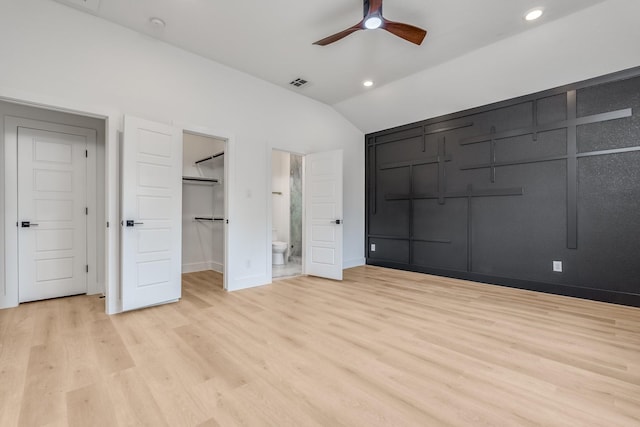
(342,34)
(408,32)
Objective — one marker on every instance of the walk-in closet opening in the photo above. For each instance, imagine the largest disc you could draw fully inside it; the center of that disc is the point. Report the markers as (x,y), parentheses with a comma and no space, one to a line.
(203,208)
(286,216)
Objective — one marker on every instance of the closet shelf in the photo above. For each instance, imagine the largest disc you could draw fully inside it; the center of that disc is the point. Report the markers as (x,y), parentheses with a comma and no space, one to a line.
(210,157)
(200,179)
(207,218)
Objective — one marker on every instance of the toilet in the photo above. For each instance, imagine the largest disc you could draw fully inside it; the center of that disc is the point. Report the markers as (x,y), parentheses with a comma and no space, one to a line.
(278,249)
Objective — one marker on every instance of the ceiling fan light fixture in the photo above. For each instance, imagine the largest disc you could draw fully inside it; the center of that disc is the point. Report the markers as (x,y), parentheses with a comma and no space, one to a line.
(533,14)
(373,22)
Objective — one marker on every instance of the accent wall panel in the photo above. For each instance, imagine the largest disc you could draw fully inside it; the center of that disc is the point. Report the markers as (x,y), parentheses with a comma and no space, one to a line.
(497,193)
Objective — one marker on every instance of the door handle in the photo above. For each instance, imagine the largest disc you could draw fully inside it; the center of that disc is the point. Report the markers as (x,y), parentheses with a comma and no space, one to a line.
(27,224)
(337,221)
(131,223)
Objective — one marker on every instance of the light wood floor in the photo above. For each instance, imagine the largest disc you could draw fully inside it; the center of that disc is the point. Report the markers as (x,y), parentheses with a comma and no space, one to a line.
(383,347)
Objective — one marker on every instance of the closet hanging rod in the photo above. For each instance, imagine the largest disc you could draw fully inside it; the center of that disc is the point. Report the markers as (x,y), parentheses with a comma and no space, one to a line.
(199,179)
(207,218)
(210,157)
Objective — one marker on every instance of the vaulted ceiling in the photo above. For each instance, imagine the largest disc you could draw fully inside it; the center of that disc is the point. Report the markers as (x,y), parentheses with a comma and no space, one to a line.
(273,39)
(484,47)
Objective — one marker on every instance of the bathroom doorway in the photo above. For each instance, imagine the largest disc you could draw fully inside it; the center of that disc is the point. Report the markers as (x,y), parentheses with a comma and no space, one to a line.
(286,215)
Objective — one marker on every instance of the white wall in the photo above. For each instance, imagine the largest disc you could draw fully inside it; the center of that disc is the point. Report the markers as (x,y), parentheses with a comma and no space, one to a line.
(202,242)
(59,56)
(598,40)
(280,205)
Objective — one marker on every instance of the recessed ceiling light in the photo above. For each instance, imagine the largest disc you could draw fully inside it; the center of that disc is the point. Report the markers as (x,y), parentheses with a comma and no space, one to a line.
(534,14)
(157,22)
(367,83)
(373,22)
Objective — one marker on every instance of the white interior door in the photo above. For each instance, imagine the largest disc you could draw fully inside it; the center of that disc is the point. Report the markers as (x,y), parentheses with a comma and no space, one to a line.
(52,213)
(151,213)
(323,214)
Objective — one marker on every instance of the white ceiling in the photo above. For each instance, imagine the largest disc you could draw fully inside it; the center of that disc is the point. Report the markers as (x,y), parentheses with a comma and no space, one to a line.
(272,40)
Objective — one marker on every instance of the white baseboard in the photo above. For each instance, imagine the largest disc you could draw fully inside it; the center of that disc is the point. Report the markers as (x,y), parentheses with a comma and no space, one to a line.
(202,266)
(216,266)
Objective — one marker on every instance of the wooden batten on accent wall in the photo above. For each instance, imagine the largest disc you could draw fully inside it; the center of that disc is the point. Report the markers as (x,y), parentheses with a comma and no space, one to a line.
(540,192)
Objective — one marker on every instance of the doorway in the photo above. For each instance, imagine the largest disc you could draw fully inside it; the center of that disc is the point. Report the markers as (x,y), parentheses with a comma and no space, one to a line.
(286,215)
(53,201)
(203,207)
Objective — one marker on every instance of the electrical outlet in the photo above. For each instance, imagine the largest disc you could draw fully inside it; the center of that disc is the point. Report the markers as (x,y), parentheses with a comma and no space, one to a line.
(557,266)
(373,247)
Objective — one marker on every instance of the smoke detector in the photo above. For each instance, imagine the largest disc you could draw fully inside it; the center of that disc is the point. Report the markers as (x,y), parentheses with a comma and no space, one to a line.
(157,22)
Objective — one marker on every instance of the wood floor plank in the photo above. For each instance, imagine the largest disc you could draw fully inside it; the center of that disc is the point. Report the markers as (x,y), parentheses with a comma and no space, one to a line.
(82,365)
(16,329)
(90,406)
(133,402)
(111,352)
(380,348)
(209,423)
(170,390)
(44,398)
(47,321)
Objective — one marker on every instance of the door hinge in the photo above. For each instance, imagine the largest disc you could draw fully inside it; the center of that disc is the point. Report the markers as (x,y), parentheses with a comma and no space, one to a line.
(86,211)
(86,153)
(107,224)
(87,268)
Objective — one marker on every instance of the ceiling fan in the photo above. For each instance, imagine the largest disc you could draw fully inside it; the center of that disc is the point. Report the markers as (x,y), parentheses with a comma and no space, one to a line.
(373,19)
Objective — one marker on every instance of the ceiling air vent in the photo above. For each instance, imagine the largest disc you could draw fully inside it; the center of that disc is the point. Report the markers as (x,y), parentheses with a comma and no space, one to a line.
(298,82)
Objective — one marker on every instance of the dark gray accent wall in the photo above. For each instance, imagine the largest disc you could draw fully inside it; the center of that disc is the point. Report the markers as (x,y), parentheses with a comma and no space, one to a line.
(497,193)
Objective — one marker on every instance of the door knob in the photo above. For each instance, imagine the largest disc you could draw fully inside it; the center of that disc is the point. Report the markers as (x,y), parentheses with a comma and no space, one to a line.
(27,224)
(131,223)
(337,221)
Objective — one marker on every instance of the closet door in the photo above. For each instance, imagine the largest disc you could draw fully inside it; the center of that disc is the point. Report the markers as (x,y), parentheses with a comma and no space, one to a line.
(151,208)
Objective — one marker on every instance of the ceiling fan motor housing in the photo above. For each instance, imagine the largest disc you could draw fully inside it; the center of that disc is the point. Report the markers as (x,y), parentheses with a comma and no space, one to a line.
(366,4)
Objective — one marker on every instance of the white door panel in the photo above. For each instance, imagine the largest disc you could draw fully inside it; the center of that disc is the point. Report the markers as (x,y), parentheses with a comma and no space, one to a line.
(52,203)
(323,214)
(151,213)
